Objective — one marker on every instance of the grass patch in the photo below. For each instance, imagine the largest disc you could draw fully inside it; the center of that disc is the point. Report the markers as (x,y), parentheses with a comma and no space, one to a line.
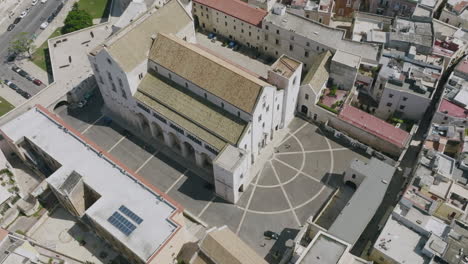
(5,106)
(96,8)
(41,56)
(333,110)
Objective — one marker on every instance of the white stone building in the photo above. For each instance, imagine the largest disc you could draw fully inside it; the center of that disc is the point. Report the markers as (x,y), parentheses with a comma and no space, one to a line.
(208,110)
(455,13)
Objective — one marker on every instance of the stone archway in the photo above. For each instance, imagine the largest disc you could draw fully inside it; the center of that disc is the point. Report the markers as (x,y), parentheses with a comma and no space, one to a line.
(175,142)
(304,109)
(144,124)
(188,151)
(207,162)
(157,131)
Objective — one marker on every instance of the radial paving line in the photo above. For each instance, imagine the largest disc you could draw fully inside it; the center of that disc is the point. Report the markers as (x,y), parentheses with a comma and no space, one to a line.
(178,179)
(146,161)
(286,196)
(116,143)
(90,126)
(206,206)
(297,171)
(248,202)
(300,171)
(311,151)
(293,133)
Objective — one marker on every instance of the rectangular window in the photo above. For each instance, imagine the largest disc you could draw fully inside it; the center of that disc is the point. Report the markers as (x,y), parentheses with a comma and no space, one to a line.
(290,47)
(120,83)
(259,118)
(266,27)
(124,95)
(210,149)
(402,107)
(306,54)
(390,95)
(176,128)
(160,118)
(277,41)
(146,109)
(266,36)
(306,96)
(113,87)
(307,44)
(405,98)
(109,76)
(194,139)
(96,67)
(389,104)
(277,31)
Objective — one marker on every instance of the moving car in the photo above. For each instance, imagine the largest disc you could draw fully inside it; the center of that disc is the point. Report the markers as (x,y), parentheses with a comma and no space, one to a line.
(271,235)
(34,2)
(44,25)
(11,27)
(37,82)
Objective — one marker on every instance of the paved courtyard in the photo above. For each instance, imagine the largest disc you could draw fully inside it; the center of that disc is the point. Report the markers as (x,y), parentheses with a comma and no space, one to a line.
(297,181)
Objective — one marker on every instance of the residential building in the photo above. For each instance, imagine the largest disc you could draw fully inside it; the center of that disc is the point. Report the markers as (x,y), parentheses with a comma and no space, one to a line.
(301,38)
(371,28)
(314,245)
(453,108)
(343,69)
(221,245)
(401,8)
(372,131)
(404,87)
(321,11)
(408,33)
(371,181)
(455,13)
(277,32)
(233,19)
(158,90)
(346,8)
(133,216)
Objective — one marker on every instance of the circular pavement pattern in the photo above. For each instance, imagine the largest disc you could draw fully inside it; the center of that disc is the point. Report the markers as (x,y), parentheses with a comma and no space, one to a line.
(294,176)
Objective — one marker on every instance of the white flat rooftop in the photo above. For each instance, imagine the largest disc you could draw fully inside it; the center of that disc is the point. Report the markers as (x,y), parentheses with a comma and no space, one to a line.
(116,185)
(401,243)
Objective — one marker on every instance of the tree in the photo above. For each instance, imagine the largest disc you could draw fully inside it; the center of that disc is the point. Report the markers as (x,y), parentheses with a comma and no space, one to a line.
(76,19)
(22,43)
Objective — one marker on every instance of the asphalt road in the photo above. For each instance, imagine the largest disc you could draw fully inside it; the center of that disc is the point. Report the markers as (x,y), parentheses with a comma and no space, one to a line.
(30,24)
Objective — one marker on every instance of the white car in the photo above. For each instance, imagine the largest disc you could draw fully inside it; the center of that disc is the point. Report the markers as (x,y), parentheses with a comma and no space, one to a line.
(23,14)
(34,2)
(43,1)
(44,25)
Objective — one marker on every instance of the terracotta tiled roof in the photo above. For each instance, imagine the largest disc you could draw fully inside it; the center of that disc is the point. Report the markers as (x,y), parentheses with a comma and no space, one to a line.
(237,9)
(374,125)
(452,109)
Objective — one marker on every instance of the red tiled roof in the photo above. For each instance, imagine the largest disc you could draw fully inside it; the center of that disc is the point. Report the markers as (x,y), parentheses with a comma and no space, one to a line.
(374,125)
(237,9)
(460,6)
(452,109)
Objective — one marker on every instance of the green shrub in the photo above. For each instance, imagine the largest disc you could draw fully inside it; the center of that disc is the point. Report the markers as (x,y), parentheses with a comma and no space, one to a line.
(76,19)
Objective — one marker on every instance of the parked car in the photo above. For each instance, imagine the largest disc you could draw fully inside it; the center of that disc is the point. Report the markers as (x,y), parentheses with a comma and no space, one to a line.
(44,25)
(23,14)
(50,19)
(15,68)
(23,93)
(29,78)
(17,20)
(11,57)
(43,1)
(37,82)
(23,73)
(11,27)
(271,235)
(13,86)
(34,2)
(7,82)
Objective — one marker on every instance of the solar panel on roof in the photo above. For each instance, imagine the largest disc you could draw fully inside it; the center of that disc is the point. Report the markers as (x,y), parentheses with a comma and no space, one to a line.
(130,214)
(121,223)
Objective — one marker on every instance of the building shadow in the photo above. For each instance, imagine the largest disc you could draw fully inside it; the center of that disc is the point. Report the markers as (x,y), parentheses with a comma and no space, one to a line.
(278,249)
